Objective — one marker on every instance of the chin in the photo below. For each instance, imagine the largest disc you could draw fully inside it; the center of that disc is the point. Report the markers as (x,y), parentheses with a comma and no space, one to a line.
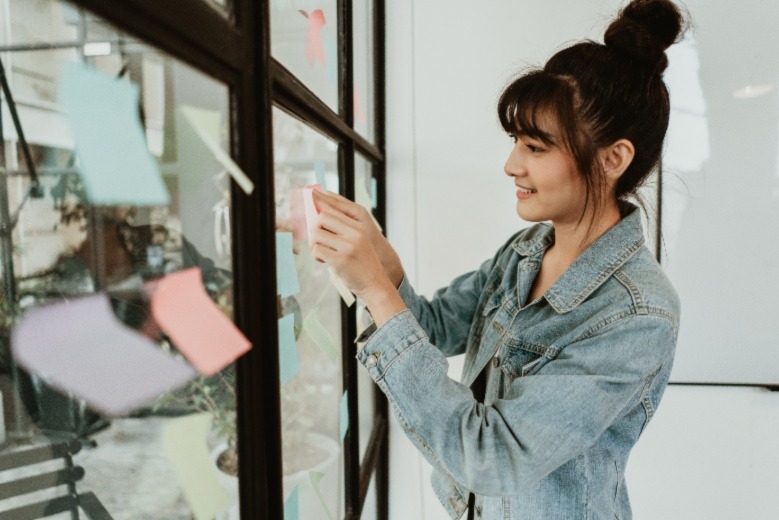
(530,216)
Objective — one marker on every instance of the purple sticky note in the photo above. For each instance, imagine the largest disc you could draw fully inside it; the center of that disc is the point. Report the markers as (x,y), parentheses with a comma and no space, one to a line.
(79,346)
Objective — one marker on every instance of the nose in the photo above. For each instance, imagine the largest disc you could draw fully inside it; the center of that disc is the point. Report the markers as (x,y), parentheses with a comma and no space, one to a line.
(514,165)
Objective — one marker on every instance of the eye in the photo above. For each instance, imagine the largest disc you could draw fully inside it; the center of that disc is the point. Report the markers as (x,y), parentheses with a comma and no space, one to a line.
(533,148)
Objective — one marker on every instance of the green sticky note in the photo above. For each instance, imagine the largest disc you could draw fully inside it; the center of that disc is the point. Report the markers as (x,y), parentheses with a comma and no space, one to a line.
(287,282)
(361,195)
(344,415)
(292,506)
(316,478)
(288,349)
(185,443)
(201,122)
(321,337)
(113,154)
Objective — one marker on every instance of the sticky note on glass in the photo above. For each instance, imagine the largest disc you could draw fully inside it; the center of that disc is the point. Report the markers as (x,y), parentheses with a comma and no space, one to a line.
(185,443)
(198,119)
(311,214)
(319,171)
(115,163)
(344,426)
(287,282)
(316,479)
(79,347)
(321,337)
(292,506)
(198,328)
(288,349)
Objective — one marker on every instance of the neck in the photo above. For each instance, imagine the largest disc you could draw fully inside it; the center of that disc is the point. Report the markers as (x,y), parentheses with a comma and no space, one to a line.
(571,239)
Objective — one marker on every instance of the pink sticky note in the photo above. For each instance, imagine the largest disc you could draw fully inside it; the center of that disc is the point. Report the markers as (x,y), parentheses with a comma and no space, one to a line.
(314,49)
(78,346)
(358,111)
(310,207)
(184,311)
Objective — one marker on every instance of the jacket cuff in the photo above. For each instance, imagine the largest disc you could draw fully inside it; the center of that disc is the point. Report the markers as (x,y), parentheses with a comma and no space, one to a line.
(390,341)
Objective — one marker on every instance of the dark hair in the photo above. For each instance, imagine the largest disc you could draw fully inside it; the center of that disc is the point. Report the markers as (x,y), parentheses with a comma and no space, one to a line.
(600,93)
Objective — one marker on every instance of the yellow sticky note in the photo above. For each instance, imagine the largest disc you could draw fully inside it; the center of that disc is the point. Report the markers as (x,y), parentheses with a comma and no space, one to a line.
(185,443)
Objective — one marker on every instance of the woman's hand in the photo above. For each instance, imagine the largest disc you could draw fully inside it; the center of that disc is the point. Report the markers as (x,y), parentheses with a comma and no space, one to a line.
(389,259)
(344,243)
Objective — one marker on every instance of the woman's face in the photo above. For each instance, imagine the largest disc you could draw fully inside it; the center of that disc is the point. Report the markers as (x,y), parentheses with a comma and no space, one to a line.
(548,170)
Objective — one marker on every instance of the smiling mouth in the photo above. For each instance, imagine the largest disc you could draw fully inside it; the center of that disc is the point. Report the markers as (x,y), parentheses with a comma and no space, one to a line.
(525,190)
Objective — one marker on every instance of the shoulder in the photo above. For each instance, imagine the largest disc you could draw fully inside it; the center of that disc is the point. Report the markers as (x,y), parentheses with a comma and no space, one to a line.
(648,287)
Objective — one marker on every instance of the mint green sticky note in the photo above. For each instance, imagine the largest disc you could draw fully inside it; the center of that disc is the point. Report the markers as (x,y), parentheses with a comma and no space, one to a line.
(344,415)
(114,159)
(291,506)
(319,171)
(287,282)
(319,334)
(288,349)
(316,477)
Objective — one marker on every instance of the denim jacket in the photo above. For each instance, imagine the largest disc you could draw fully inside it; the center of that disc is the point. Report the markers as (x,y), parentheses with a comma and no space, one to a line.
(576,376)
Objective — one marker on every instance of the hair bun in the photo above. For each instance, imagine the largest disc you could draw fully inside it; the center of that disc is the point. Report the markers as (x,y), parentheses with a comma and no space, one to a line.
(644,29)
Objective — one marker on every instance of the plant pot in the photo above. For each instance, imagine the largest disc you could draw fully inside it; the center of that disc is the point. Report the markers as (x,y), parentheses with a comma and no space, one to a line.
(330,488)
(229,483)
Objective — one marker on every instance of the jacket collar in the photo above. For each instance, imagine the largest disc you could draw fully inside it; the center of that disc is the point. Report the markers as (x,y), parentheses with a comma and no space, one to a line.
(594,266)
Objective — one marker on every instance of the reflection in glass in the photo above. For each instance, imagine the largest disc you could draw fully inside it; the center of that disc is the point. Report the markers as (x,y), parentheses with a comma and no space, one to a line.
(64,247)
(304,40)
(311,400)
(363,68)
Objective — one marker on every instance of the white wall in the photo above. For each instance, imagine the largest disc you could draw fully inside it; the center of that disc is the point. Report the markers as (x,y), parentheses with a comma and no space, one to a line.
(708,453)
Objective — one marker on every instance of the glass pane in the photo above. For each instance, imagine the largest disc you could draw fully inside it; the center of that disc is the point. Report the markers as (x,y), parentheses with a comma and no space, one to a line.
(364,187)
(312,390)
(304,38)
(363,68)
(369,509)
(73,245)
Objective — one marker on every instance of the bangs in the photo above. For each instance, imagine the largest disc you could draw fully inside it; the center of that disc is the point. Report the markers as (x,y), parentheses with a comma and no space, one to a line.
(535,105)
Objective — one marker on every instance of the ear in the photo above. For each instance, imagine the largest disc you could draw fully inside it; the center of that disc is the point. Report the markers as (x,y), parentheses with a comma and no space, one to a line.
(616,158)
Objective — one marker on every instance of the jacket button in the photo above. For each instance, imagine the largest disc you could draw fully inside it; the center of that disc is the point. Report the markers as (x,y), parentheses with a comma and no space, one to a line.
(495,361)
(372,361)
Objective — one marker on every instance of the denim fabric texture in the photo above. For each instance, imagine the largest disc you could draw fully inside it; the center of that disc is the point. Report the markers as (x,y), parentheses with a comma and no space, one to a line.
(576,375)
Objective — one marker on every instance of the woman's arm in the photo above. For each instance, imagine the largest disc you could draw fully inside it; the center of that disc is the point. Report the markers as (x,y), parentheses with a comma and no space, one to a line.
(544,421)
(446,318)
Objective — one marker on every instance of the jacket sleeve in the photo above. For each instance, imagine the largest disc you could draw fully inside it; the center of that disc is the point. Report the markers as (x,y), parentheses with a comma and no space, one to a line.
(545,420)
(446,317)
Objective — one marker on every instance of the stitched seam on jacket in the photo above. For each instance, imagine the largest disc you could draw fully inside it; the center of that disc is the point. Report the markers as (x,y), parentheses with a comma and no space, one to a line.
(402,353)
(635,294)
(608,271)
(618,316)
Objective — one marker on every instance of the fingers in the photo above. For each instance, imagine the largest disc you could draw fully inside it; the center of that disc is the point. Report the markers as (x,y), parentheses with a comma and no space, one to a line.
(340,203)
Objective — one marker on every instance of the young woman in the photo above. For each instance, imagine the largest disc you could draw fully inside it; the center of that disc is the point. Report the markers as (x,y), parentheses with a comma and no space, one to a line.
(569,331)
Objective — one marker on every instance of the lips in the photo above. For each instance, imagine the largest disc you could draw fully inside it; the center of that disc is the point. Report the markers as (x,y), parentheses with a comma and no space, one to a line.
(525,190)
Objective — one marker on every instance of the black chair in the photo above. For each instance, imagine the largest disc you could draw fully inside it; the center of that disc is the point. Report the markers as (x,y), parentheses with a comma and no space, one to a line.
(73,501)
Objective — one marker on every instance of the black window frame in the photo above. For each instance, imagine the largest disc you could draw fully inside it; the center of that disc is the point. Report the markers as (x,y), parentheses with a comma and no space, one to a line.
(235,49)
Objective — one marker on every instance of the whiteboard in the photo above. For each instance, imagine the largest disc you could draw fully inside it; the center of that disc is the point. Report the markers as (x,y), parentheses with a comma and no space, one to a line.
(721,194)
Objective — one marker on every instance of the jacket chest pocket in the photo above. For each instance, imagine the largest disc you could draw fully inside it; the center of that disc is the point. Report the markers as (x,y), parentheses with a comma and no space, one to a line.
(492,296)
(522,358)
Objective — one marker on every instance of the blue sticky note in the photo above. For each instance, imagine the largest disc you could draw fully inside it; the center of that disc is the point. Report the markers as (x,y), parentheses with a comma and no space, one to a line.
(331,58)
(344,415)
(288,349)
(291,506)
(286,274)
(319,170)
(374,193)
(114,158)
